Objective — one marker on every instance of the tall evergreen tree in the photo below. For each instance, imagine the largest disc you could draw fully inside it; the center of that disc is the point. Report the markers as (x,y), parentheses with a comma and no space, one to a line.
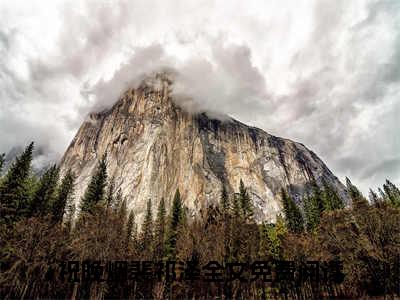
(271,236)
(392,193)
(293,216)
(45,193)
(226,221)
(331,199)
(236,209)
(130,229)
(224,199)
(311,212)
(147,229)
(174,221)
(382,195)
(160,231)
(64,196)
(358,200)
(184,216)
(236,230)
(110,192)
(276,236)
(245,201)
(318,194)
(95,191)
(2,159)
(15,190)
(263,249)
(374,198)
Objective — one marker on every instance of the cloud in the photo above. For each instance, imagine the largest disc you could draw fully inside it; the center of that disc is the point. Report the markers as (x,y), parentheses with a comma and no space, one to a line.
(325,73)
(389,168)
(143,62)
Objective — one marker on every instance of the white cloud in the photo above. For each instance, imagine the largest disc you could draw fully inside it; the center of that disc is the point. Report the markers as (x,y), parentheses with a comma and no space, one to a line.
(325,73)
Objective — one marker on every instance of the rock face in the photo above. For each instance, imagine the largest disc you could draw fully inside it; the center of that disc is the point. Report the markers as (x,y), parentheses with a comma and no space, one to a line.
(154,147)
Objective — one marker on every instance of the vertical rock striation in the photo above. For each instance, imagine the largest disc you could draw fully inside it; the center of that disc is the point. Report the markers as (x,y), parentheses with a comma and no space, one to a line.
(154,147)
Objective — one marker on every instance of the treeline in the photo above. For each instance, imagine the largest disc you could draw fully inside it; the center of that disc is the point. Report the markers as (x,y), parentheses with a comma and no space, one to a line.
(40,227)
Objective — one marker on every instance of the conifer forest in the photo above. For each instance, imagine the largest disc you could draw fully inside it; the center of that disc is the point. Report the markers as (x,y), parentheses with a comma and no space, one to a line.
(323,248)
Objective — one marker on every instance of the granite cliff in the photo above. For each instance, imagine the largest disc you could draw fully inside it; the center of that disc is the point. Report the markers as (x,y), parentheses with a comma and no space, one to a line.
(153,147)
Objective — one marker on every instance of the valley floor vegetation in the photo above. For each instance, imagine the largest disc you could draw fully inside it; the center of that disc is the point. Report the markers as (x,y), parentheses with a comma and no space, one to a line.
(40,227)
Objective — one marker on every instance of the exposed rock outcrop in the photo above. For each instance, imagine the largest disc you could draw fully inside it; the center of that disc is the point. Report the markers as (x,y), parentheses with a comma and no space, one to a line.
(154,147)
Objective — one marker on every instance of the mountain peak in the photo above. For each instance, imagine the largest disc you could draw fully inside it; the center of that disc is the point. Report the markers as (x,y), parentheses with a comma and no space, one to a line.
(154,147)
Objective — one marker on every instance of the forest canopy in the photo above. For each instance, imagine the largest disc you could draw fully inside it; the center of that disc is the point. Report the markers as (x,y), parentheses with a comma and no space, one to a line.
(41,231)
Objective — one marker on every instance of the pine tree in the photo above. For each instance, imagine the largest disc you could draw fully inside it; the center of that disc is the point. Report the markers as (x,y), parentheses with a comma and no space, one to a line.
(293,216)
(276,237)
(110,192)
(319,198)
(130,229)
(318,201)
(224,199)
(383,196)
(311,212)
(64,196)
(373,197)
(184,216)
(263,249)
(358,200)
(245,201)
(236,209)
(392,193)
(174,221)
(160,231)
(2,159)
(271,236)
(241,213)
(237,226)
(45,193)
(226,222)
(15,190)
(96,188)
(147,229)
(331,199)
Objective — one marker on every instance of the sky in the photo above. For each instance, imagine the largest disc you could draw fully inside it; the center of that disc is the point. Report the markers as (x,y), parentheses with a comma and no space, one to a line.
(321,72)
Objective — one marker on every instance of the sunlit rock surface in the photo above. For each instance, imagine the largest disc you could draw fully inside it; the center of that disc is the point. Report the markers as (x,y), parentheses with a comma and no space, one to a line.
(155,147)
